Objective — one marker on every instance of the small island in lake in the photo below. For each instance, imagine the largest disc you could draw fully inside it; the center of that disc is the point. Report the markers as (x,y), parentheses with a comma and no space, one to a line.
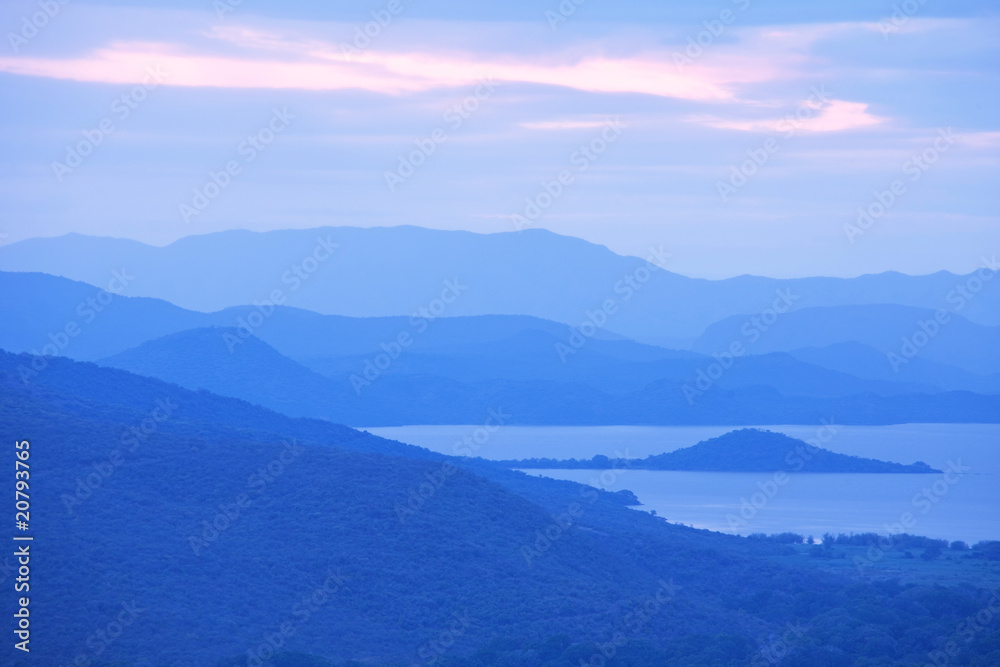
(744,450)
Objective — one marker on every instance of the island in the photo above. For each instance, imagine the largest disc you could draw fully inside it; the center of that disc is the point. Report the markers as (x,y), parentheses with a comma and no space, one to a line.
(743,450)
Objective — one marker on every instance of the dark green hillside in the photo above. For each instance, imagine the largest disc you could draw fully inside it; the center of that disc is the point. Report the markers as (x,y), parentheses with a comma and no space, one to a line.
(320,548)
(117,396)
(744,450)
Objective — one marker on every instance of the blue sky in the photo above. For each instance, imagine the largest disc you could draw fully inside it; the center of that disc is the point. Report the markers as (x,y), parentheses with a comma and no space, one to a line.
(744,136)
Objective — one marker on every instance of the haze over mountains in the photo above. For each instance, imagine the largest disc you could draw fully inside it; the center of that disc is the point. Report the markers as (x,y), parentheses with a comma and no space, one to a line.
(307,322)
(200,359)
(206,450)
(440,370)
(953,340)
(625,418)
(354,272)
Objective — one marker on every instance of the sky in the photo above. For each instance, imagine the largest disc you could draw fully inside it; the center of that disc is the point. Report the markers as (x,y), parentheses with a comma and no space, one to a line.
(772,138)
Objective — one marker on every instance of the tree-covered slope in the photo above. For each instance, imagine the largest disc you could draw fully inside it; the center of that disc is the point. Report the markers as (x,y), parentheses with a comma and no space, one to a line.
(743,450)
(199,521)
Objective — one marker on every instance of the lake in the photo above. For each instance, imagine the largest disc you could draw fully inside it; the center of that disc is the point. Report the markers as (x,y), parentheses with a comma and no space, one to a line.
(956,507)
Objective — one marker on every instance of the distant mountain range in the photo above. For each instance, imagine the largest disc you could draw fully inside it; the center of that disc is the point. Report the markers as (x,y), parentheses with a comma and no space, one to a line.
(904,331)
(396,271)
(867,362)
(744,450)
(355,370)
(185,409)
(256,372)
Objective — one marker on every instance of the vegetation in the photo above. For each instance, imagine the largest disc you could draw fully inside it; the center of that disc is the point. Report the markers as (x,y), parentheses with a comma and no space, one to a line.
(237,545)
(744,450)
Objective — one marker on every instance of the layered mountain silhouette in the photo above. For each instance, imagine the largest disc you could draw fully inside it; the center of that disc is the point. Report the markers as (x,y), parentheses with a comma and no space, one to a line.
(193,464)
(556,278)
(867,362)
(940,336)
(40,307)
(253,371)
(453,369)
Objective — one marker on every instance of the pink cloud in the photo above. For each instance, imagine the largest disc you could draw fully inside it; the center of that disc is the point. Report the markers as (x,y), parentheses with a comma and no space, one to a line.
(269,61)
(255,58)
(563,124)
(126,64)
(832,116)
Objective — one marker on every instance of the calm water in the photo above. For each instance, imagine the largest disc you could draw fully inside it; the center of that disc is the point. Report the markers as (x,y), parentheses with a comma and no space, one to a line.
(966,509)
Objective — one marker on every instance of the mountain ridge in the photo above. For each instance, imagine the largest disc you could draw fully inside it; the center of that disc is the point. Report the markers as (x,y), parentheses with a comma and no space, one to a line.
(468,363)
(653,305)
